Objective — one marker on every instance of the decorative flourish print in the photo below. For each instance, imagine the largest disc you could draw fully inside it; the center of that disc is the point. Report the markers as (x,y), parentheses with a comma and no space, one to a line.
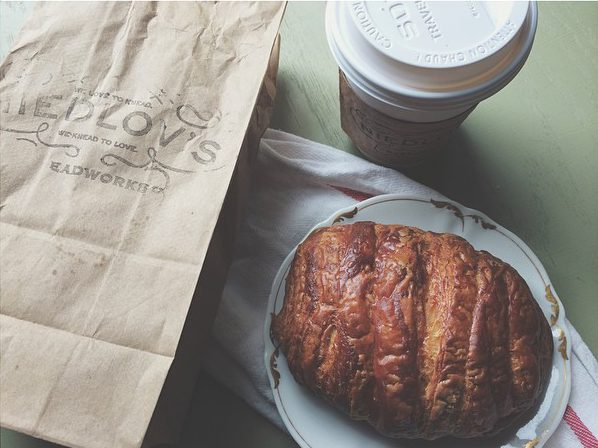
(563,344)
(441,204)
(25,139)
(274,358)
(152,164)
(554,305)
(343,216)
(479,220)
(532,443)
(274,367)
(459,214)
(43,127)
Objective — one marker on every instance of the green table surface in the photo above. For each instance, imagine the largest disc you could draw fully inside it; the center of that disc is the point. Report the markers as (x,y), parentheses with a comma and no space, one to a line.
(527,157)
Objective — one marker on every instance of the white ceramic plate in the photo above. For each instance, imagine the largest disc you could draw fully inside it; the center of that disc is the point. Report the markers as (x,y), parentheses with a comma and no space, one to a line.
(315,424)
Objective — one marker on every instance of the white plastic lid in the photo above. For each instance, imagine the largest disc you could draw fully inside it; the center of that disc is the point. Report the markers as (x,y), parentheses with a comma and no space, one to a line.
(431,55)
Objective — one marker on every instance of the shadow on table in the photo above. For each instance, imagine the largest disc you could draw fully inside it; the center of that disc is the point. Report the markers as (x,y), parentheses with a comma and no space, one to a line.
(455,171)
(219,419)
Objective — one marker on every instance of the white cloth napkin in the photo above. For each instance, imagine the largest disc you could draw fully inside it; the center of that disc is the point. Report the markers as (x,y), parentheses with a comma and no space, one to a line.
(297,183)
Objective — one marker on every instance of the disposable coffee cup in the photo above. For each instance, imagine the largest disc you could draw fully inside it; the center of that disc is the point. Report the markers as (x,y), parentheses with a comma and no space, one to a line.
(411,72)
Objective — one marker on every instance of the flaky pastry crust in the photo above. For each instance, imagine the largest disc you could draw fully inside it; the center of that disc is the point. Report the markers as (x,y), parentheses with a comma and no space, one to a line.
(415,332)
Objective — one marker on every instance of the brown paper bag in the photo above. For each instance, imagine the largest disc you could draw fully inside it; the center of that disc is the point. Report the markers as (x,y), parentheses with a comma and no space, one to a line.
(121,126)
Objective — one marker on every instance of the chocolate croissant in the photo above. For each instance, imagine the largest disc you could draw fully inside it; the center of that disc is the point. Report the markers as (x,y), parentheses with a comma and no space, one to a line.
(415,332)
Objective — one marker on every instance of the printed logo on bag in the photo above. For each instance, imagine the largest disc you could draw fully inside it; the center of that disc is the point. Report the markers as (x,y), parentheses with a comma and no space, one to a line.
(122,127)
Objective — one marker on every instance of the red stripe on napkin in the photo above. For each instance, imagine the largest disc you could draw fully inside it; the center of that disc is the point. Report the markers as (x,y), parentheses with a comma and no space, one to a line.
(357,195)
(585,436)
